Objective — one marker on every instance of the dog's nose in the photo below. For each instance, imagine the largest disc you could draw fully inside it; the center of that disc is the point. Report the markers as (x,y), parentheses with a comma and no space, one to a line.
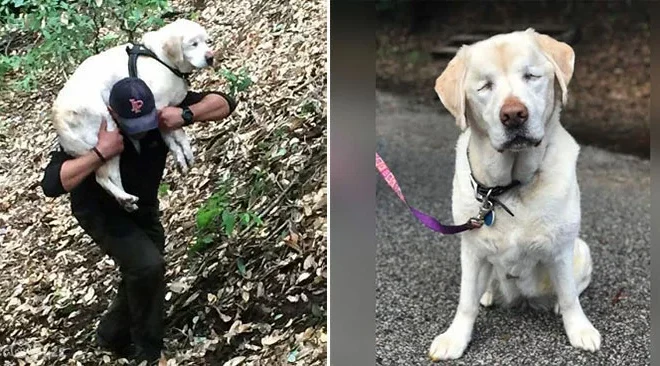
(513,113)
(209,58)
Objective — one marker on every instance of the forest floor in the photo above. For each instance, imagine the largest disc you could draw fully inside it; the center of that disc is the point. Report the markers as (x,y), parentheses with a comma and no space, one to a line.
(254,295)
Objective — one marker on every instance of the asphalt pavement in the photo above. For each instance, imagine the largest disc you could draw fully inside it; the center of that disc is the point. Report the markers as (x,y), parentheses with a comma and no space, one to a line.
(418,271)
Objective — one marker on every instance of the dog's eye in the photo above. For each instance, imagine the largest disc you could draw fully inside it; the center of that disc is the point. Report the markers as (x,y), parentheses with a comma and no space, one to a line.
(194,44)
(529,76)
(488,85)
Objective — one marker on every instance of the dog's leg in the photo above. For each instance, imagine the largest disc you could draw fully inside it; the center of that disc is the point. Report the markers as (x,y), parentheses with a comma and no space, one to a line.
(488,297)
(475,273)
(581,333)
(182,139)
(582,265)
(174,147)
(582,268)
(108,176)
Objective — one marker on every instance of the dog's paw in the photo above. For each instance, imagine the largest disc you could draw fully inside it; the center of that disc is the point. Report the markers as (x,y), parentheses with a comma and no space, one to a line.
(188,155)
(448,346)
(486,299)
(128,202)
(585,337)
(182,163)
(190,160)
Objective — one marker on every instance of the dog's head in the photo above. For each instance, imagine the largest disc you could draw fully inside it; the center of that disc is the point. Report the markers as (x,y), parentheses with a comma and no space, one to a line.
(506,86)
(184,43)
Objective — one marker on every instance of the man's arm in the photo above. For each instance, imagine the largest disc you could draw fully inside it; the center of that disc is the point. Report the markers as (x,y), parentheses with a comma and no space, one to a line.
(64,173)
(212,107)
(208,106)
(74,171)
(51,183)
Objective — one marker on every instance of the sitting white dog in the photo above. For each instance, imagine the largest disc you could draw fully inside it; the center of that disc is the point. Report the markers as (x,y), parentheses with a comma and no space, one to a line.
(506,94)
(82,103)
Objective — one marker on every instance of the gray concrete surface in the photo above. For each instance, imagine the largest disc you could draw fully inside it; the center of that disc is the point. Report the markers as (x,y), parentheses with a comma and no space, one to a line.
(418,271)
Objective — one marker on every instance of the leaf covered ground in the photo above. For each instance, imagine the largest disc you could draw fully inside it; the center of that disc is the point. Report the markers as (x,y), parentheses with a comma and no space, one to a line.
(254,295)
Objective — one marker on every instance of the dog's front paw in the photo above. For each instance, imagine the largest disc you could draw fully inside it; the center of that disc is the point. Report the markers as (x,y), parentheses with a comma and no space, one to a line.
(128,202)
(486,299)
(448,346)
(584,336)
(183,168)
(182,163)
(189,156)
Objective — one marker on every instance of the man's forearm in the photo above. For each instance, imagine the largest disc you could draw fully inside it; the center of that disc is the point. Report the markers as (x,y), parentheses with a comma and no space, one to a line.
(74,171)
(212,107)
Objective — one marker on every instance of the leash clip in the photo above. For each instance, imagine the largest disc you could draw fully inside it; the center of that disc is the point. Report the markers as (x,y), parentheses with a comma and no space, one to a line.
(486,213)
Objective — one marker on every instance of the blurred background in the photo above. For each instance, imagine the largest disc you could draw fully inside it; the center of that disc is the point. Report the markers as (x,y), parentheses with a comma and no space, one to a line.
(609,95)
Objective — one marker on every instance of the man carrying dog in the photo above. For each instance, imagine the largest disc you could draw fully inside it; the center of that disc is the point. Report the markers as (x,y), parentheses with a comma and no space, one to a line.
(133,325)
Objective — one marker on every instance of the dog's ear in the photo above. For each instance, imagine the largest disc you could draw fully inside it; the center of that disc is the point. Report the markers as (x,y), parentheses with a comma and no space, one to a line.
(562,57)
(173,50)
(450,87)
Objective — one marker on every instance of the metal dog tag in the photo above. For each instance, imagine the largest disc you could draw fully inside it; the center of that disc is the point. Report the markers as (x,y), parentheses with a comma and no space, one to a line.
(486,213)
(490,218)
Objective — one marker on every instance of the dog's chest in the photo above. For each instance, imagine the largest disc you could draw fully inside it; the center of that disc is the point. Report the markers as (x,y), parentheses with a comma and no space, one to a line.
(515,244)
(516,260)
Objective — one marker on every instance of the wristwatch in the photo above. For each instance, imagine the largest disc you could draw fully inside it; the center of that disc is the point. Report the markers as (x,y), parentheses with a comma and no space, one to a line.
(187,115)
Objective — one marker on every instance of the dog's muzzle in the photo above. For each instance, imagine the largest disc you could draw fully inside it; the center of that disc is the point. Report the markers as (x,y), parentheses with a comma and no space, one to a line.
(521,141)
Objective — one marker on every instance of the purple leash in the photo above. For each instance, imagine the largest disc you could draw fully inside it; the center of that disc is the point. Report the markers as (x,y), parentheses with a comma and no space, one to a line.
(429,221)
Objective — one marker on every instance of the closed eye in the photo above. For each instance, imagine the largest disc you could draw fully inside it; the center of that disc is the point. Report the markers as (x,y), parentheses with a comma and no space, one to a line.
(529,76)
(488,85)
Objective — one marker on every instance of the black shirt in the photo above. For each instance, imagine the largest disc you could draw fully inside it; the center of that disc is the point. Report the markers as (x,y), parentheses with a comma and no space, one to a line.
(141,172)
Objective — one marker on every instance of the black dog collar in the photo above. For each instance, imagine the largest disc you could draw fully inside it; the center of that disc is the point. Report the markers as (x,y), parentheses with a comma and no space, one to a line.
(482,192)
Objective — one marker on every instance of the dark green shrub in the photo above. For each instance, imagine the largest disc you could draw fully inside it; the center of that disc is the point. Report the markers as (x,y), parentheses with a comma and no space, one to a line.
(51,37)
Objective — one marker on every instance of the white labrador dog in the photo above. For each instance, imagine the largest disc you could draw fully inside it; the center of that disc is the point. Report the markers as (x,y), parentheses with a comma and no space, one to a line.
(82,103)
(506,94)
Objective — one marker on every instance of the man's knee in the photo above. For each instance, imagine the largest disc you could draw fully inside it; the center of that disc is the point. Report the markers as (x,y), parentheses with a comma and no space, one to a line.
(151,267)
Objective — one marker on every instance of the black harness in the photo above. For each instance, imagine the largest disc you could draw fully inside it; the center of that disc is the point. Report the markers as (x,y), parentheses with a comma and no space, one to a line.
(140,50)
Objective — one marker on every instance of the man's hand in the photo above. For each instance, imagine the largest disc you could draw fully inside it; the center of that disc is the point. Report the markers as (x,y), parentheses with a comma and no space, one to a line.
(74,171)
(111,143)
(170,118)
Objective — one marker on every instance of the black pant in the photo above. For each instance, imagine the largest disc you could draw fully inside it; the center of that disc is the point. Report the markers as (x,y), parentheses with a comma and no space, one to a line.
(136,242)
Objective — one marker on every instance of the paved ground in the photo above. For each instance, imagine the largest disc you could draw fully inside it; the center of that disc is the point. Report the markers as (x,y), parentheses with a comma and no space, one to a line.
(418,271)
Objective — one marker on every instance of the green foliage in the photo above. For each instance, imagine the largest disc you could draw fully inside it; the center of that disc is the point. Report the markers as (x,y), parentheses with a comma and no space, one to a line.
(258,182)
(394,10)
(417,57)
(241,266)
(163,188)
(308,108)
(237,82)
(215,219)
(60,33)
(385,5)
